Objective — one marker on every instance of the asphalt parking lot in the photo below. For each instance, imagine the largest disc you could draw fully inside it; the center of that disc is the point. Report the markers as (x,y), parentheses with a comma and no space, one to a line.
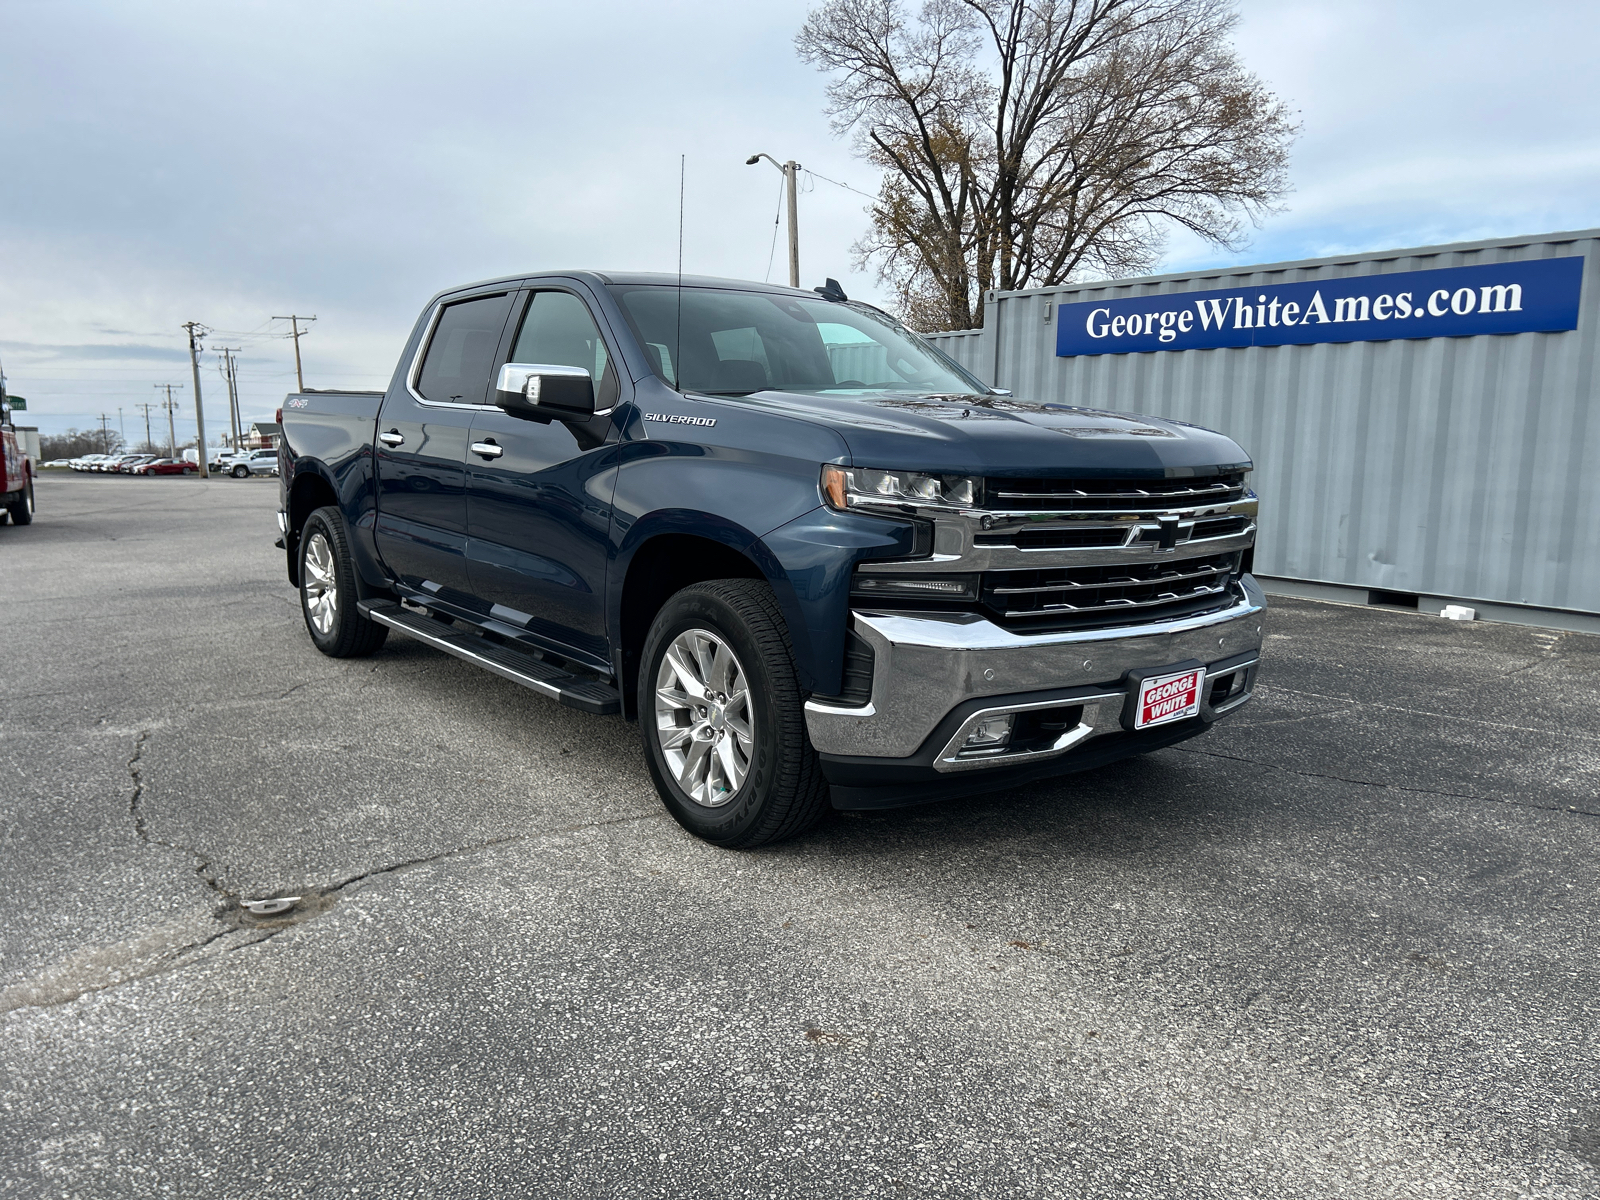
(1344,945)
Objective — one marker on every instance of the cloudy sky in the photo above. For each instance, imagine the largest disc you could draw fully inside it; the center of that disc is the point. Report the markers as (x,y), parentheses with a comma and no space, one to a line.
(228,163)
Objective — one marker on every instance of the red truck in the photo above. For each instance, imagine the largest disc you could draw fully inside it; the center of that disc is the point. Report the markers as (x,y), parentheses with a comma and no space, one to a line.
(16,469)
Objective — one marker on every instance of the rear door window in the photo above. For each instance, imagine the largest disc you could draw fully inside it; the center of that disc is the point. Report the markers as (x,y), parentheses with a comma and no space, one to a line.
(460,354)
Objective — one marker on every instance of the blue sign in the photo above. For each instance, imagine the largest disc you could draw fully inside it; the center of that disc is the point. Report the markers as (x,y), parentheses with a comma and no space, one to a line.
(1538,295)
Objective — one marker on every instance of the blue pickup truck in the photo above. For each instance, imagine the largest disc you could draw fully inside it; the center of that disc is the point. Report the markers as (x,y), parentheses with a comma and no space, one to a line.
(818,562)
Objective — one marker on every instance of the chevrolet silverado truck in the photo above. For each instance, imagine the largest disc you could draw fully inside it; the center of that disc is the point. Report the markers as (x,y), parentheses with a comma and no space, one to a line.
(818,562)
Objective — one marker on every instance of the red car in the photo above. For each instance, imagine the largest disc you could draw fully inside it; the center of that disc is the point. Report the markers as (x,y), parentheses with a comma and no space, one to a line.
(167,466)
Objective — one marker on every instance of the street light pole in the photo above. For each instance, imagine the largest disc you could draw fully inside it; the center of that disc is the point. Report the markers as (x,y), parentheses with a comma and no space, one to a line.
(791,171)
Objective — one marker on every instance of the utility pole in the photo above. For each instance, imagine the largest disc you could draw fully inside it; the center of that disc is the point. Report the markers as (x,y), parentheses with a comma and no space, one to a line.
(172,432)
(105,434)
(791,170)
(123,427)
(196,332)
(149,443)
(294,325)
(230,372)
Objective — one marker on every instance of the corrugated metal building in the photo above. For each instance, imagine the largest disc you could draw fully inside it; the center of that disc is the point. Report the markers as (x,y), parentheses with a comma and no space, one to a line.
(1445,468)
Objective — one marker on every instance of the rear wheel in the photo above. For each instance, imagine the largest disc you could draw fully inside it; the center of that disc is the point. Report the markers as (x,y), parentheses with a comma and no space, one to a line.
(328,590)
(722,717)
(21,509)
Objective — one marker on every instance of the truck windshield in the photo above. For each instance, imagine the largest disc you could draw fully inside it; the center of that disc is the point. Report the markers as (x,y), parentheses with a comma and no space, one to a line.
(732,343)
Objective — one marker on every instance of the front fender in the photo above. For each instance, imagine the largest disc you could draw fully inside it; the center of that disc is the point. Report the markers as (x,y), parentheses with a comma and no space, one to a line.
(814,556)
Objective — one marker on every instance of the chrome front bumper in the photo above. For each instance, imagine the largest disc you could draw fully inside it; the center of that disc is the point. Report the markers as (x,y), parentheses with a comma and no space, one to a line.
(926,665)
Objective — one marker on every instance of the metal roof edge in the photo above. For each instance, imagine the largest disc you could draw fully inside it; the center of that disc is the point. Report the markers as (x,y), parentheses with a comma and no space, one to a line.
(1304,263)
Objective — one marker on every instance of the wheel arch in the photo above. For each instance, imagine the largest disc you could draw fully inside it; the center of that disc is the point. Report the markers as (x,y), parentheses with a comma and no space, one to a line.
(311,491)
(661,564)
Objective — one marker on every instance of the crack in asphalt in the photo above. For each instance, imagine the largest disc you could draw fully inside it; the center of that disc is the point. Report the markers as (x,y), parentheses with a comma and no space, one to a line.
(1396,787)
(141,958)
(142,829)
(425,860)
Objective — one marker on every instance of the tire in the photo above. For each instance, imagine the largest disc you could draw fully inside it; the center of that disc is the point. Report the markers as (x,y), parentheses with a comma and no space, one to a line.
(240,471)
(328,590)
(21,509)
(780,791)
(188,471)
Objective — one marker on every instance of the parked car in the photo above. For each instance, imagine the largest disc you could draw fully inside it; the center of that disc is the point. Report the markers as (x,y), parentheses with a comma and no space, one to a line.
(167,466)
(130,464)
(87,461)
(257,462)
(110,463)
(815,558)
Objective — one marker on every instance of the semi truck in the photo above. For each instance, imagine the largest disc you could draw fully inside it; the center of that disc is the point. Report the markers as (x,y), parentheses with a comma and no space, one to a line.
(819,563)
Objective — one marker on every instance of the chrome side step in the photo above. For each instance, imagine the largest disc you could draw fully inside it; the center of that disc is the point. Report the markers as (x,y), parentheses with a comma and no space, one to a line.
(590,695)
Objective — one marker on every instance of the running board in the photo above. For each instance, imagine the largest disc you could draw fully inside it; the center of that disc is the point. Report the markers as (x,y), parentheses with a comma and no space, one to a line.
(590,695)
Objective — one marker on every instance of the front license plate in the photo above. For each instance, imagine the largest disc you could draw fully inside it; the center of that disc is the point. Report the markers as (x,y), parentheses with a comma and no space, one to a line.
(1164,698)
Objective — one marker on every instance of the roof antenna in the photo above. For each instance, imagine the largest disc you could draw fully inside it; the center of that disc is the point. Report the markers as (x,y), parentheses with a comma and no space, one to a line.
(831,291)
(677,350)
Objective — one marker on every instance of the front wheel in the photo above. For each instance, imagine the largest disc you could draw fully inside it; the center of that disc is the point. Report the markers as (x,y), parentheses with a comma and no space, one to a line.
(21,509)
(328,590)
(722,716)
(240,471)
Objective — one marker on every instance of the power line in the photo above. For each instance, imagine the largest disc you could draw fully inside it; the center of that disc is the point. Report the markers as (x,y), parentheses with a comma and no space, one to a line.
(845,186)
(772,251)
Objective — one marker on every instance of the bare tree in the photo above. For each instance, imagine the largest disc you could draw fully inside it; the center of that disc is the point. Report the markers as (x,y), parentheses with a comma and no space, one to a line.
(75,444)
(1027,143)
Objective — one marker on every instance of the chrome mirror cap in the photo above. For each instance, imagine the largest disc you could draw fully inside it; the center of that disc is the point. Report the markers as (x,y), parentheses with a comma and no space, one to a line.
(545,390)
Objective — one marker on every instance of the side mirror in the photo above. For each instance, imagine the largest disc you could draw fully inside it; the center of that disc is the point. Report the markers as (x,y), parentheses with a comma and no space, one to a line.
(544,391)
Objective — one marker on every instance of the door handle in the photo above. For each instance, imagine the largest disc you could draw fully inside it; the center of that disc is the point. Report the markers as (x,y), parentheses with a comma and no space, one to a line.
(393,438)
(487,449)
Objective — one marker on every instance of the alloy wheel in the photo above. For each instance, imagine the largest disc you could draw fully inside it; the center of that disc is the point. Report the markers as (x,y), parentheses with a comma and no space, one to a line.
(704,722)
(321,583)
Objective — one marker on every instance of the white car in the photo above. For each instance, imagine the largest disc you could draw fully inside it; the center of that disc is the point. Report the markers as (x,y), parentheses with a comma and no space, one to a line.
(257,462)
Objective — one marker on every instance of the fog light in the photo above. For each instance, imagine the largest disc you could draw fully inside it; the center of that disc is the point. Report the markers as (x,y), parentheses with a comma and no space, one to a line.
(990,733)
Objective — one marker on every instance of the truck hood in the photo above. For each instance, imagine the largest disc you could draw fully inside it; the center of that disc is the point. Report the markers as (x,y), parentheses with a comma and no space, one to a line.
(1006,435)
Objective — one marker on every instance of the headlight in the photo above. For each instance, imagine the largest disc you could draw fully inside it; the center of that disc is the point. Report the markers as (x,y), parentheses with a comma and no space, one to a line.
(866,488)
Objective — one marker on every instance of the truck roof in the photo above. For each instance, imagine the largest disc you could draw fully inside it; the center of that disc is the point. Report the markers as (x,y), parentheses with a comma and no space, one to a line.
(658,278)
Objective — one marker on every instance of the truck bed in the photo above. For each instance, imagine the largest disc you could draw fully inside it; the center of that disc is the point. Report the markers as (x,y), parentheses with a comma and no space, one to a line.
(331,426)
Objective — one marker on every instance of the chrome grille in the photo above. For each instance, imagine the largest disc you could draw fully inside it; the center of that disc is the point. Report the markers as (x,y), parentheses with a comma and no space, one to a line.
(1111,594)
(1055,539)
(1114,495)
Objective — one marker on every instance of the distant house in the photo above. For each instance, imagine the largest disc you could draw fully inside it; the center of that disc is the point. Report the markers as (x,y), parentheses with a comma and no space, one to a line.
(262,435)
